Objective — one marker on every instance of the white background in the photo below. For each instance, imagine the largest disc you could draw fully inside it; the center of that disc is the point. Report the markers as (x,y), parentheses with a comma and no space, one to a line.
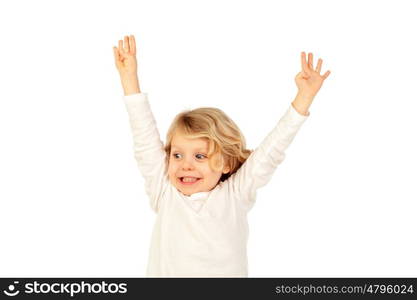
(343,203)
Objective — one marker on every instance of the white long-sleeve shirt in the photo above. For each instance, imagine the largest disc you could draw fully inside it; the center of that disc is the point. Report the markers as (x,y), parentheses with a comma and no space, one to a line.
(204,234)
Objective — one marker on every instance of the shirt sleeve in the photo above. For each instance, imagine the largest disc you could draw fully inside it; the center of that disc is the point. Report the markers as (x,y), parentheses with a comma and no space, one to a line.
(147,147)
(258,169)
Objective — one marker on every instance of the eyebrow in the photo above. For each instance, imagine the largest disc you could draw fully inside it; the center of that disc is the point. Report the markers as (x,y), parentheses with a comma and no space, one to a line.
(198,149)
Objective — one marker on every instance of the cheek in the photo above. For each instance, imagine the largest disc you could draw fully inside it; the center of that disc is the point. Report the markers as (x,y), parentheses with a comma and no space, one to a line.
(209,173)
(172,169)
(204,168)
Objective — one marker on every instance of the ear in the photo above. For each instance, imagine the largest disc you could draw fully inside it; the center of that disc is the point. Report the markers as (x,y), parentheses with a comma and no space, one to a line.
(226,169)
(226,165)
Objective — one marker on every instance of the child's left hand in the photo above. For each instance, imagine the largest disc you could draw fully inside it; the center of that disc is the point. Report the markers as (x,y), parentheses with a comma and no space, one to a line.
(309,81)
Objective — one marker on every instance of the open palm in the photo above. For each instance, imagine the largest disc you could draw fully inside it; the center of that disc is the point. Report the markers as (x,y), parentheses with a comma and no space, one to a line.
(125,56)
(309,80)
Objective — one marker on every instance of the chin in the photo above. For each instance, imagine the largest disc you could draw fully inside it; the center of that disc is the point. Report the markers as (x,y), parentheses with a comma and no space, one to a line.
(189,191)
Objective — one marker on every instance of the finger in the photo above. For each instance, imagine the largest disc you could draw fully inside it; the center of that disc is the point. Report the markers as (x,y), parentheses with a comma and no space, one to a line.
(310,60)
(326,75)
(318,67)
(299,75)
(117,57)
(121,46)
(132,44)
(304,64)
(126,44)
(116,53)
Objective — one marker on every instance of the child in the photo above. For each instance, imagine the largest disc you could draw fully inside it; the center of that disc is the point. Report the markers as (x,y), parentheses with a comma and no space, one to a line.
(203,181)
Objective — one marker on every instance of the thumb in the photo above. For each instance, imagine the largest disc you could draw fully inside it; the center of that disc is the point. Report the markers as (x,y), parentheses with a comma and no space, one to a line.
(117,57)
(116,54)
(300,75)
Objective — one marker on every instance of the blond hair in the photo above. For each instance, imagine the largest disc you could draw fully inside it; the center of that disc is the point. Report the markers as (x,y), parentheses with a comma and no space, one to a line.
(222,134)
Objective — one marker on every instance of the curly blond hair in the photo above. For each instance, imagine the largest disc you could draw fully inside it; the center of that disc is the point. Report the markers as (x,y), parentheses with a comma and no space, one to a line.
(223,135)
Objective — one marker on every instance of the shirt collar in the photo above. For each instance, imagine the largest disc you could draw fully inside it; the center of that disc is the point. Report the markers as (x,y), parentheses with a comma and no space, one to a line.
(198,196)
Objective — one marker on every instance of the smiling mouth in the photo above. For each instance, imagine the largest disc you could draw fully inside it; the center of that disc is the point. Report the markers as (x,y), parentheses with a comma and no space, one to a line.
(189,180)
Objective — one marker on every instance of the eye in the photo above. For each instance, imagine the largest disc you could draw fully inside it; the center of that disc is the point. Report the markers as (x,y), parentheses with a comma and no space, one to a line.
(200,156)
(175,155)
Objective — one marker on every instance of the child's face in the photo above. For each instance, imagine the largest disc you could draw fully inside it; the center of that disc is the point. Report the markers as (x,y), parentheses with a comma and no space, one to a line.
(188,158)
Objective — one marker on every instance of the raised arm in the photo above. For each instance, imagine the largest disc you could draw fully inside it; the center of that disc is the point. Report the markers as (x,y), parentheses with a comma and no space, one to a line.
(148,148)
(261,164)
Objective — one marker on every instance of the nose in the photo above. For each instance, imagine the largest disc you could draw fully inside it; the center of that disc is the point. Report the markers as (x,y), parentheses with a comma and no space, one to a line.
(187,165)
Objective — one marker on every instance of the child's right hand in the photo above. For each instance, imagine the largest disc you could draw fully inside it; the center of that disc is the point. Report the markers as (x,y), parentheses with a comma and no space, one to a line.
(125,57)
